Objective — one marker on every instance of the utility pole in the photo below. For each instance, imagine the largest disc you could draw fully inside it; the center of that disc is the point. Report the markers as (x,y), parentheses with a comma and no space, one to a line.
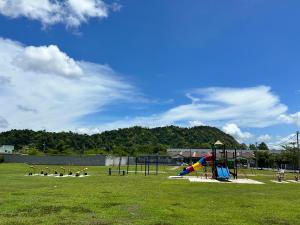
(44,144)
(256,157)
(298,151)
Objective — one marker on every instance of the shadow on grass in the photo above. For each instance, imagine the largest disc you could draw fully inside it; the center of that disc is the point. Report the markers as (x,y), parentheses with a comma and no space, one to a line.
(110,204)
(92,222)
(162,223)
(275,221)
(15,223)
(45,210)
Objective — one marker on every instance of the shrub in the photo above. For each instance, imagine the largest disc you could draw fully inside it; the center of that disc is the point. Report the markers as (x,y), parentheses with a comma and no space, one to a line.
(1,158)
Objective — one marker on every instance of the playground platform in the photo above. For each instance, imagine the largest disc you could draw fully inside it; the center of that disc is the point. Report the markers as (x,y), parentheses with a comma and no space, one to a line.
(285,181)
(209,180)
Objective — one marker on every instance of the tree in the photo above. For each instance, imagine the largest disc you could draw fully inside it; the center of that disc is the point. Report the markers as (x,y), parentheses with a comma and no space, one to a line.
(263,146)
(33,151)
(243,146)
(252,147)
(288,156)
(264,159)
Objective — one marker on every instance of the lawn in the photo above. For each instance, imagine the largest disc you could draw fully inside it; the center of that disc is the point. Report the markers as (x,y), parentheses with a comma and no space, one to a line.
(135,199)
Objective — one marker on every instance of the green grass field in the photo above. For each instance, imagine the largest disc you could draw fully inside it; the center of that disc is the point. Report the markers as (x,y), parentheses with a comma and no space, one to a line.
(136,199)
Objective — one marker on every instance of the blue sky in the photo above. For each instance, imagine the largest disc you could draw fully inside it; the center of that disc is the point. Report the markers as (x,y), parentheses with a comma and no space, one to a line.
(230,64)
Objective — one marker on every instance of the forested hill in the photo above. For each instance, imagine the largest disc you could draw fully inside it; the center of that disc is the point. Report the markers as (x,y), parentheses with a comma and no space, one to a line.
(134,140)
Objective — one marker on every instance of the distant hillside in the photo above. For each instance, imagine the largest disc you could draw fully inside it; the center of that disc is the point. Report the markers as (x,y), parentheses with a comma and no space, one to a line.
(132,141)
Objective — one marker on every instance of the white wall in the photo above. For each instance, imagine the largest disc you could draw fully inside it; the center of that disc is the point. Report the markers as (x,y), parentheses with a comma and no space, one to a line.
(114,161)
(6,149)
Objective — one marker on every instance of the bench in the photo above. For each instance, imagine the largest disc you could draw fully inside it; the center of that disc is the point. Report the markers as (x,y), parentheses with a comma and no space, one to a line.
(120,172)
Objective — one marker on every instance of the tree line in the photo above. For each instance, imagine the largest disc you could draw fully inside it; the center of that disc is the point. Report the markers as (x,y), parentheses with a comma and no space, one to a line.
(127,141)
(267,159)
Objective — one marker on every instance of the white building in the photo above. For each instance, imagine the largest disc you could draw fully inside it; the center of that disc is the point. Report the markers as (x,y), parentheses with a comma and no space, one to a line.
(6,149)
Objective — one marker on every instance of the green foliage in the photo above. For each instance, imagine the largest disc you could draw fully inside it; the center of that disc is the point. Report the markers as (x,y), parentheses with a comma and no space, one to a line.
(95,151)
(264,159)
(289,156)
(1,159)
(243,146)
(252,147)
(267,159)
(33,151)
(127,141)
(263,146)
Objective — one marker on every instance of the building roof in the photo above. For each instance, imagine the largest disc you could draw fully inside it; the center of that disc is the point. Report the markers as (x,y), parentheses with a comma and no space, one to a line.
(197,153)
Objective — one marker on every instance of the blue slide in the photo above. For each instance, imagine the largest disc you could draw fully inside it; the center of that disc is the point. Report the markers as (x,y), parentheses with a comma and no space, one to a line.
(223,173)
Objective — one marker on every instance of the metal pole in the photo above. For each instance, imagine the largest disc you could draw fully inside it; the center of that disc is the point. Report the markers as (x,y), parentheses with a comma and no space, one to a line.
(212,164)
(214,152)
(136,164)
(120,165)
(235,165)
(157,165)
(256,156)
(148,164)
(225,158)
(298,151)
(127,164)
(145,165)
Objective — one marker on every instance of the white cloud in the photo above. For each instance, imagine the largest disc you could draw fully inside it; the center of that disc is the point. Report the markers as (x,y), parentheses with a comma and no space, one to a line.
(194,99)
(82,10)
(233,130)
(4,80)
(280,141)
(3,123)
(247,107)
(72,13)
(47,59)
(44,87)
(264,138)
(253,107)
(196,123)
(35,97)
(291,118)
(46,11)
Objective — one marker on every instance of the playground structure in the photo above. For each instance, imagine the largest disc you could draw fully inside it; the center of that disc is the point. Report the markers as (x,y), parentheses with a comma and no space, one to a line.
(57,172)
(296,177)
(141,164)
(219,165)
(280,175)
